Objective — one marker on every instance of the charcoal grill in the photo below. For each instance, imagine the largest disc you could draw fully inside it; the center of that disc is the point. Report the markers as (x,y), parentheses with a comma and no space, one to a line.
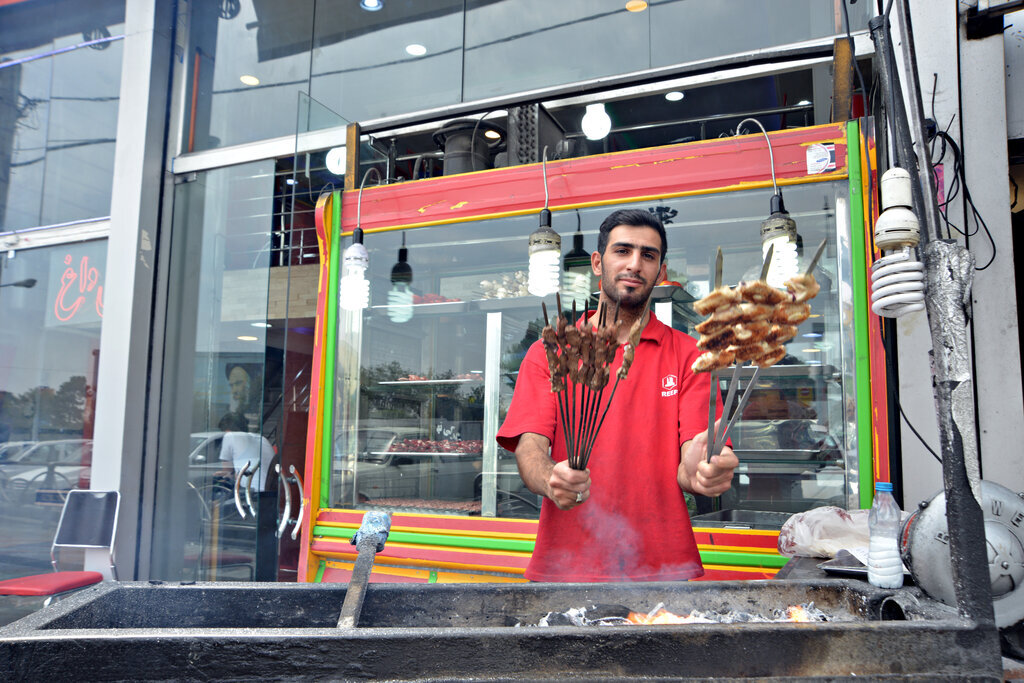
(428,632)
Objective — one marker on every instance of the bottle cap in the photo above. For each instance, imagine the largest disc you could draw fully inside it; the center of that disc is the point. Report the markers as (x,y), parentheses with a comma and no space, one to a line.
(883,486)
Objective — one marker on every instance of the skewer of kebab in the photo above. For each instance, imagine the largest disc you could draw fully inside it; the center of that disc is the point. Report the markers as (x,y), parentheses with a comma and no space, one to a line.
(794,307)
(761,295)
(745,333)
(579,359)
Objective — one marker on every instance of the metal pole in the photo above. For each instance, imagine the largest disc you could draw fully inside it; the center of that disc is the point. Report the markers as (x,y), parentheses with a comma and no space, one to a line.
(949,271)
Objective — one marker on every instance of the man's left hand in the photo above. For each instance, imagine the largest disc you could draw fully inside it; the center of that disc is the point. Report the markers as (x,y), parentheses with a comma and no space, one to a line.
(698,476)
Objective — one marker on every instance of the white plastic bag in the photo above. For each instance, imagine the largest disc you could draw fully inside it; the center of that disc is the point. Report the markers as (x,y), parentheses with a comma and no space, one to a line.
(824,531)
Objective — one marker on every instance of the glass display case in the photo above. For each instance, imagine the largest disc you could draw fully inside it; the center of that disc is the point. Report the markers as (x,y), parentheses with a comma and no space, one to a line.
(423,387)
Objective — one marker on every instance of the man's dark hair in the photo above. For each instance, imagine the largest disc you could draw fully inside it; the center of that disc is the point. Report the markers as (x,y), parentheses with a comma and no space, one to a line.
(233,422)
(634,217)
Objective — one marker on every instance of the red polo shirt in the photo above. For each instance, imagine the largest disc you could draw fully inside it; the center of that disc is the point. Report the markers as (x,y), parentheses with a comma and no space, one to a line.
(634,526)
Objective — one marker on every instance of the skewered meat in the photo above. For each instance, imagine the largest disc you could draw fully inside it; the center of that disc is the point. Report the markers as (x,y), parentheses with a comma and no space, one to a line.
(760,292)
(750,332)
(791,313)
(711,326)
(771,358)
(751,351)
(780,334)
(717,341)
(713,360)
(742,312)
(718,297)
(802,287)
(634,339)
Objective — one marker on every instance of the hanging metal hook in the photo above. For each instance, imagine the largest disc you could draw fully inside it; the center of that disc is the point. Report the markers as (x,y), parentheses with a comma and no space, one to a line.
(771,155)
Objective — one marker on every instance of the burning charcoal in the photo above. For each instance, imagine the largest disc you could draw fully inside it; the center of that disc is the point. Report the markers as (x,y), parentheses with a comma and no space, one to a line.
(601,612)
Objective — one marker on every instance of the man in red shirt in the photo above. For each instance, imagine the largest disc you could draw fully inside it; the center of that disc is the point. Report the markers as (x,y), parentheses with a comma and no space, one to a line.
(627,519)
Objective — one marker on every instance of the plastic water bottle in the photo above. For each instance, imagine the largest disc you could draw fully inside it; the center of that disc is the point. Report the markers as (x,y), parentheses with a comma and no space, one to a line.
(885,568)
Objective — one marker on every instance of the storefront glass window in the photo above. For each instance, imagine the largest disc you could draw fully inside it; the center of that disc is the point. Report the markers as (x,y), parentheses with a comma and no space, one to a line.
(236,387)
(420,381)
(682,31)
(247,60)
(405,57)
(58,109)
(48,361)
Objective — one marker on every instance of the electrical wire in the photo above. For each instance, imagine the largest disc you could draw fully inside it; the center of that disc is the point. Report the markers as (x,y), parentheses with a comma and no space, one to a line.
(959,183)
(895,394)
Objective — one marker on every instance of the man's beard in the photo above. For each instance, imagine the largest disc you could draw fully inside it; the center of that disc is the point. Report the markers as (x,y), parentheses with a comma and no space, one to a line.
(632,298)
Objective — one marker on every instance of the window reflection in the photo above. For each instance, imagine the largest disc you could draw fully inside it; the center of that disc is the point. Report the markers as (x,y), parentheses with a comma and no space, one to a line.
(58,110)
(51,308)
(248,60)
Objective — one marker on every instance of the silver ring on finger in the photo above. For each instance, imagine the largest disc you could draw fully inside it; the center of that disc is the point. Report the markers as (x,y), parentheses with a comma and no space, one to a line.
(579,497)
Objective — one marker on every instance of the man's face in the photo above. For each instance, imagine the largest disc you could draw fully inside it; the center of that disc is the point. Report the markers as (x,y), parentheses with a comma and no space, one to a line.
(238,380)
(631,265)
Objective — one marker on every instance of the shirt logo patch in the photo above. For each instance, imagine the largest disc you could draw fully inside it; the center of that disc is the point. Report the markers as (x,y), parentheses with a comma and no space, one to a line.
(669,385)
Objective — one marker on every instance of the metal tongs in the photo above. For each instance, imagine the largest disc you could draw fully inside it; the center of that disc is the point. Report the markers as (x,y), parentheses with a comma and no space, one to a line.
(715,445)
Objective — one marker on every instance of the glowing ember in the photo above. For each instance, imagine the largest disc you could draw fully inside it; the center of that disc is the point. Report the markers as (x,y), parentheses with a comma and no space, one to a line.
(798,613)
(578,616)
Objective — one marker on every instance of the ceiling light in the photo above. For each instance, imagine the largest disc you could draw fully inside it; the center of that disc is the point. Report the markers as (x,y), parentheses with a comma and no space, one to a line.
(290,181)
(674,95)
(249,80)
(811,350)
(812,335)
(803,103)
(492,134)
(259,325)
(246,337)
(372,5)
(636,6)
(336,161)
(596,124)
(416,50)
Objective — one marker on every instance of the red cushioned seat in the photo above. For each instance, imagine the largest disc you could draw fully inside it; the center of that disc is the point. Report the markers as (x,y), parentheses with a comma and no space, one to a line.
(49,584)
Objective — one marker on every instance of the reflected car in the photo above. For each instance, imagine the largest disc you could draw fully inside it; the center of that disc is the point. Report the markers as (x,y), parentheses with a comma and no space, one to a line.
(11,449)
(393,464)
(49,465)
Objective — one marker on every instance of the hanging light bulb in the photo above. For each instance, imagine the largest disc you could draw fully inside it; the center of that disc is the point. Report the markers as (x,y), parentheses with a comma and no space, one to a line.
(576,279)
(897,278)
(596,124)
(400,298)
(779,229)
(354,288)
(545,249)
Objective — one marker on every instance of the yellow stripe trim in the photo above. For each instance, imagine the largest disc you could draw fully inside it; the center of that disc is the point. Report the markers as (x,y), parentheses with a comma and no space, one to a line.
(742,532)
(737,549)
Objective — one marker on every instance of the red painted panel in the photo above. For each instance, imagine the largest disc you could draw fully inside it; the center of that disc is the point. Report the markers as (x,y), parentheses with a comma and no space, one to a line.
(669,171)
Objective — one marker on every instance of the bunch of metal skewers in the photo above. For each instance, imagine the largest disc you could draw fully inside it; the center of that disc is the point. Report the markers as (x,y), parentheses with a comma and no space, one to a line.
(579,359)
(750,322)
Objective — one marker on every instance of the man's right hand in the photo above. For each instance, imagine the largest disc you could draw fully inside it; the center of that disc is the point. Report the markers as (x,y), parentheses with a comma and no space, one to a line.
(568,487)
(543,476)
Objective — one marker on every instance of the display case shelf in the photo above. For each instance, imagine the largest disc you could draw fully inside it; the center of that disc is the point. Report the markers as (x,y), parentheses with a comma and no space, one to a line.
(415,382)
(420,454)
